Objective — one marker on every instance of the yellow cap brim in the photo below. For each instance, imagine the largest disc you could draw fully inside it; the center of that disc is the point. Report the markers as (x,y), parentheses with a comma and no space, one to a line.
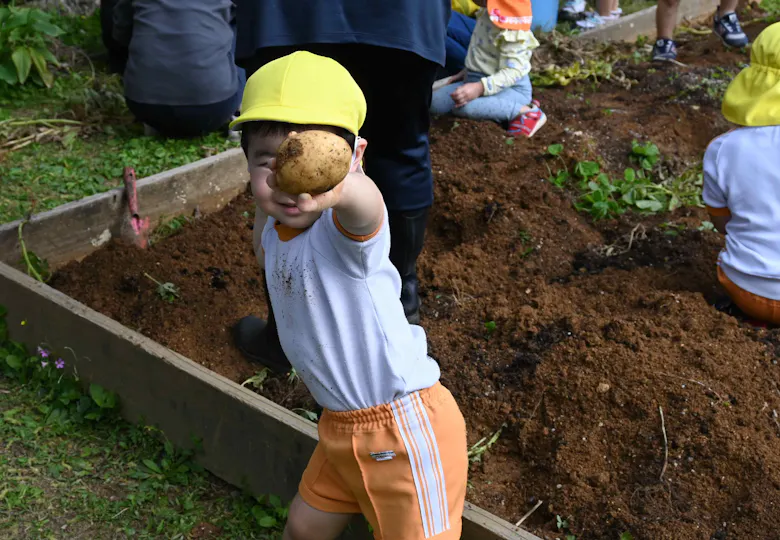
(287,114)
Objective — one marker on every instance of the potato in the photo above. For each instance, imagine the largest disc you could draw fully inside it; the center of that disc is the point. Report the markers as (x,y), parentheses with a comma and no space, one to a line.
(312,162)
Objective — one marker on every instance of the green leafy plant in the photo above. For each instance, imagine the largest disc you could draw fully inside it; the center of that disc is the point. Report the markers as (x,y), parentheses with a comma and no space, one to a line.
(167,291)
(36,267)
(476,452)
(555,150)
(172,466)
(563,526)
(26,36)
(490,327)
(169,228)
(707,226)
(62,394)
(644,155)
(605,197)
(626,536)
(527,242)
(270,513)
(293,376)
(258,379)
(561,177)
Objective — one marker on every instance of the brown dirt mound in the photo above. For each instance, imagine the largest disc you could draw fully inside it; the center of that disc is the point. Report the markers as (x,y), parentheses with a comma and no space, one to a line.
(598,327)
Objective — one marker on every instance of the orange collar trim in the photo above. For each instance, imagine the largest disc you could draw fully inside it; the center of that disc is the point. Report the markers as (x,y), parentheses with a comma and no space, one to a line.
(287,233)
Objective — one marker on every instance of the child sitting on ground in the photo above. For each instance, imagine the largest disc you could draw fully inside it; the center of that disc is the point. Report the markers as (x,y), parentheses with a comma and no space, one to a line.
(392,439)
(497,86)
(742,183)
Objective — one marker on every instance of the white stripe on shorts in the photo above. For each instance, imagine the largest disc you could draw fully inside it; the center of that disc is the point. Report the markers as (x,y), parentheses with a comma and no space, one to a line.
(425,461)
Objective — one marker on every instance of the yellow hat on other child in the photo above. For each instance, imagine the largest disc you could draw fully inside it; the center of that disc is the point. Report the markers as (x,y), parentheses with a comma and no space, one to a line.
(753,97)
(303,88)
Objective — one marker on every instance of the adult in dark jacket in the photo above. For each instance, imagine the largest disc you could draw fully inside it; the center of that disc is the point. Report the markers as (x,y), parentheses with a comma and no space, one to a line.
(393,50)
(180,77)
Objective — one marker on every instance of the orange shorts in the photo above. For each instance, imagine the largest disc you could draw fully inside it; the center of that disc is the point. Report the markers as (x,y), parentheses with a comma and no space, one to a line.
(758,307)
(403,465)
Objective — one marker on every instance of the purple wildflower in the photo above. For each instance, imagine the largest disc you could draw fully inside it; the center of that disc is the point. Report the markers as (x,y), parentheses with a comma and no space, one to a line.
(60,363)
(43,352)
(44,363)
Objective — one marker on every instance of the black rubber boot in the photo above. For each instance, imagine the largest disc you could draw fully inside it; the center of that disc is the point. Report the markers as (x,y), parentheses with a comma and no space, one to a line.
(407,234)
(258,340)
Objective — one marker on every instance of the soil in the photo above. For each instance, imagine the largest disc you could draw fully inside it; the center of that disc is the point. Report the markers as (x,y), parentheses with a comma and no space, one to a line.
(606,351)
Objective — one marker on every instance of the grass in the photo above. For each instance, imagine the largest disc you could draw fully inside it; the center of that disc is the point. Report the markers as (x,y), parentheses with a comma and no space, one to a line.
(45,162)
(110,480)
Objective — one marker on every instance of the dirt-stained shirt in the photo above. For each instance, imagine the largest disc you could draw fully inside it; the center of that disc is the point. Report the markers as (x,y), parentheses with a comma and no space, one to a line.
(341,324)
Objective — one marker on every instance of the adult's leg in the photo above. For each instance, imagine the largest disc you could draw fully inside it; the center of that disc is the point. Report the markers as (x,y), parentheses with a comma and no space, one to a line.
(255,338)
(666,18)
(307,523)
(398,156)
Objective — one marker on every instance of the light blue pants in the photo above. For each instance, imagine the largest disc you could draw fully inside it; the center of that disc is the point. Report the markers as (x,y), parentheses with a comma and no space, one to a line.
(502,107)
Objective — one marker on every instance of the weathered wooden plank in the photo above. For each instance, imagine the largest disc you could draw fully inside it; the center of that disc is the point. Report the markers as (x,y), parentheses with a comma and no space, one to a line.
(246,439)
(642,23)
(74,230)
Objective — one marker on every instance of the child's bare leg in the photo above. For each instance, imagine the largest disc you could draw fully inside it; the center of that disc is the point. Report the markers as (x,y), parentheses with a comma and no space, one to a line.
(666,18)
(604,7)
(307,523)
(727,6)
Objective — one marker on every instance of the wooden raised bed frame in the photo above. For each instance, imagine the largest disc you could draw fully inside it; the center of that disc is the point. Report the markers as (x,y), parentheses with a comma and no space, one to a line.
(246,439)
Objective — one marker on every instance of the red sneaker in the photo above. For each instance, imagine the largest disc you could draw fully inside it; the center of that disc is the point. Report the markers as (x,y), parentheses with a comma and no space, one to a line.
(528,123)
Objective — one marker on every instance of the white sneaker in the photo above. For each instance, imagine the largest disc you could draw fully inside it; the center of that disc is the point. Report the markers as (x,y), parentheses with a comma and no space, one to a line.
(573,7)
(593,20)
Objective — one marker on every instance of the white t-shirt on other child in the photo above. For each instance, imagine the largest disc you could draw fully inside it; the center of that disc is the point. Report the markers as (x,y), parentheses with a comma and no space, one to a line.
(742,179)
(341,324)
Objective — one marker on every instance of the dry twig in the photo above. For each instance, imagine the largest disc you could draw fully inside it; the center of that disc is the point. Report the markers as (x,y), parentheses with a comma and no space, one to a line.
(666,444)
(720,398)
(528,514)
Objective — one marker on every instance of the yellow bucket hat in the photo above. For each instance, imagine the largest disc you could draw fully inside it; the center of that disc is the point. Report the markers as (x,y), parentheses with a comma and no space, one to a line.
(753,97)
(303,88)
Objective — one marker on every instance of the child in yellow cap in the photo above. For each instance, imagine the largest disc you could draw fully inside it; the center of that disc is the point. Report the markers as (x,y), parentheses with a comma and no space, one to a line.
(392,439)
(742,183)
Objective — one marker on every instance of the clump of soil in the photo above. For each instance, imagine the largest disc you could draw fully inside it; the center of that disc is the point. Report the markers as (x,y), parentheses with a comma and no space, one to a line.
(597,329)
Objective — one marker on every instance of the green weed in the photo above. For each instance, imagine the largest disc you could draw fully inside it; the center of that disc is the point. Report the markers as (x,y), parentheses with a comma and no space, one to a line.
(36,267)
(563,526)
(476,452)
(62,398)
(167,291)
(71,466)
(490,327)
(73,140)
(26,39)
(258,379)
(169,228)
(561,177)
(644,155)
(707,226)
